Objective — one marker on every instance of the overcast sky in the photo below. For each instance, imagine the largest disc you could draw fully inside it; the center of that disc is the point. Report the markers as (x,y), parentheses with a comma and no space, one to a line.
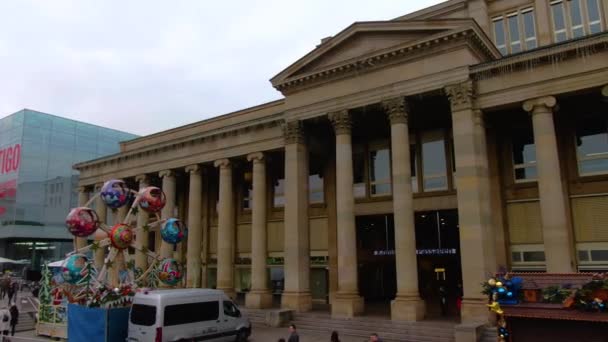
(147,66)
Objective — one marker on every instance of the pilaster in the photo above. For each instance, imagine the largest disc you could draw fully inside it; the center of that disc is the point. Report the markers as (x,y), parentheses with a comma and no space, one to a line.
(141,239)
(169,188)
(472,182)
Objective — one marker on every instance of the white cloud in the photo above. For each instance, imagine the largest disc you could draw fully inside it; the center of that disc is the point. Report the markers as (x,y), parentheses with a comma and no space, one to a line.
(146,66)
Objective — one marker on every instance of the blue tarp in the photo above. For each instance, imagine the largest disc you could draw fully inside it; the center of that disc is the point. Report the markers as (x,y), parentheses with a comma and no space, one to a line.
(96,324)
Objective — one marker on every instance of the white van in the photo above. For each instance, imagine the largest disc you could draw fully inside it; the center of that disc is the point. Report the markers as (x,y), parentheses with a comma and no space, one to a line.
(186,314)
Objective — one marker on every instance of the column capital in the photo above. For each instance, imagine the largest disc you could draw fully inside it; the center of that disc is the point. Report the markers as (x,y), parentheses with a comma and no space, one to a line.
(397,110)
(142,178)
(166,173)
(82,188)
(222,163)
(461,95)
(341,121)
(293,132)
(545,102)
(605,91)
(256,157)
(193,169)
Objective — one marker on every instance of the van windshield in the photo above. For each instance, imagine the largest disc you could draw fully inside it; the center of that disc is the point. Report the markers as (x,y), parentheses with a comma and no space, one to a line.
(143,314)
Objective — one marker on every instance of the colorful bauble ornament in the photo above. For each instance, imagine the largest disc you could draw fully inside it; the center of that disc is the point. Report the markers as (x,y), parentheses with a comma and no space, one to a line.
(152,199)
(74,268)
(115,193)
(169,272)
(82,221)
(173,231)
(121,236)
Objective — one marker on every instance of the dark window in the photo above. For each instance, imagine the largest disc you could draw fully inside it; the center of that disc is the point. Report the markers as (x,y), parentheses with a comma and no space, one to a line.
(191,313)
(534,256)
(516,256)
(143,314)
(231,310)
(359,175)
(583,255)
(599,255)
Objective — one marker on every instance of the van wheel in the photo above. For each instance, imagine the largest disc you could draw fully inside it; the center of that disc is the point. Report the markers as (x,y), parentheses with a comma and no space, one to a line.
(241,336)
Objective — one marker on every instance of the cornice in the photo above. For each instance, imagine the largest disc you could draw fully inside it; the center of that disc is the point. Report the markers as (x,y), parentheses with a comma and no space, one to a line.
(212,135)
(469,32)
(551,54)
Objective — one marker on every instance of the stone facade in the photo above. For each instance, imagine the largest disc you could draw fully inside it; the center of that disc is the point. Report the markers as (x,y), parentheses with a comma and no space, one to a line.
(244,179)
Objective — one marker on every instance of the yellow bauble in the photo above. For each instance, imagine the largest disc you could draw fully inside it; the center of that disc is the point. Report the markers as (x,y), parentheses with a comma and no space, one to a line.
(498,284)
(492,282)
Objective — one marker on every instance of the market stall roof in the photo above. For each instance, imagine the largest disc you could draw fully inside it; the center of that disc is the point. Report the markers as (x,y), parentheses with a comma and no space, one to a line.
(8,261)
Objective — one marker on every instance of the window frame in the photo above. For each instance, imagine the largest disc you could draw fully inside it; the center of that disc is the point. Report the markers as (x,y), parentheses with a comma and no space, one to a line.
(521,30)
(375,147)
(580,158)
(566,6)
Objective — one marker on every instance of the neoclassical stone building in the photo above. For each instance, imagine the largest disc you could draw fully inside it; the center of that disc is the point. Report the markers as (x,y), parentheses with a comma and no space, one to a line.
(408,158)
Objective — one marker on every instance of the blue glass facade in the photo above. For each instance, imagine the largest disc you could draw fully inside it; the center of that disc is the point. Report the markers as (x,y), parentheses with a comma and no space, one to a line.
(37,182)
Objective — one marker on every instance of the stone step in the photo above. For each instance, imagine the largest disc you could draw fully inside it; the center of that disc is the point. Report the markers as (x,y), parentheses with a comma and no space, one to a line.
(489,334)
(378,323)
(386,336)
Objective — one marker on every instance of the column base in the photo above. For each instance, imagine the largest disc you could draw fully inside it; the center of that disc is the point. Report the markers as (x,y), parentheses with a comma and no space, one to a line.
(475,310)
(404,308)
(258,299)
(347,305)
(229,291)
(297,301)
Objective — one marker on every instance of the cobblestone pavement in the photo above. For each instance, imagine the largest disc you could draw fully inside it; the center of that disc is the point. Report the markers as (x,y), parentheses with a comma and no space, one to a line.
(260,334)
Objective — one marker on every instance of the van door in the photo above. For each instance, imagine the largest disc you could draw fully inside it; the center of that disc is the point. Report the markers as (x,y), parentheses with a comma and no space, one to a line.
(143,322)
(230,319)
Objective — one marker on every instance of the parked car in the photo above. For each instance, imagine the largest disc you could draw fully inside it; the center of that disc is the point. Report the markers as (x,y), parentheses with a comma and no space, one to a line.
(186,314)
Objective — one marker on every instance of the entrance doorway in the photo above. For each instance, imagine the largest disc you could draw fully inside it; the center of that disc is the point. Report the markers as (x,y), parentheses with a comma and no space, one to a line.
(438,254)
(376,257)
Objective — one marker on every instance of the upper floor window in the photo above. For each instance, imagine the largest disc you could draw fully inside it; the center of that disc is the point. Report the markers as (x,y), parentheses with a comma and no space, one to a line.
(359,185)
(380,171)
(315,189)
(575,18)
(592,146)
(247,191)
(434,166)
(524,155)
(515,31)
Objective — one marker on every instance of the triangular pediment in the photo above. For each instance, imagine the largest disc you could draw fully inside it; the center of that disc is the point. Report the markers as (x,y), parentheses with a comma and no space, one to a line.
(364,42)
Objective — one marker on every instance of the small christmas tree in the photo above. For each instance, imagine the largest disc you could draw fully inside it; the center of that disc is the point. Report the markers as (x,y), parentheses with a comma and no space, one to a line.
(44,295)
(87,283)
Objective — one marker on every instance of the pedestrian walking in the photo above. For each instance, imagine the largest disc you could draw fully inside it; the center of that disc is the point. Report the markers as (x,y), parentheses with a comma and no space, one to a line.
(374,338)
(12,292)
(5,320)
(334,337)
(293,334)
(14,318)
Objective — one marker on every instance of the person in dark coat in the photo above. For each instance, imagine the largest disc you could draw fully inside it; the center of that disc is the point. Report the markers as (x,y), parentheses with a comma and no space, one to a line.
(14,318)
(334,337)
(374,338)
(293,334)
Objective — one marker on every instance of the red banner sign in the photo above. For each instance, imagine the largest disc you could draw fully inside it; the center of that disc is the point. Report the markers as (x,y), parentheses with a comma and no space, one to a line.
(10,159)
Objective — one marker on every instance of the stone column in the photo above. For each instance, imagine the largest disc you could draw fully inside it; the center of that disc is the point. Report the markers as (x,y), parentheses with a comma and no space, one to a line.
(102,212)
(204,227)
(195,232)
(472,182)
(347,301)
(259,297)
(225,230)
(141,239)
(407,305)
(169,188)
(296,295)
(118,263)
(83,198)
(554,217)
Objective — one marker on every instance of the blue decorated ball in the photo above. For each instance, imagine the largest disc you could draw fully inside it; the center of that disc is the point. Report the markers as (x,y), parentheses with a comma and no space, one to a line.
(74,268)
(115,193)
(173,231)
(169,272)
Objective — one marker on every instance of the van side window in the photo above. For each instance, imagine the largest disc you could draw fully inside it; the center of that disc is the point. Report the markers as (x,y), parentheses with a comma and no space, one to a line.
(191,313)
(231,310)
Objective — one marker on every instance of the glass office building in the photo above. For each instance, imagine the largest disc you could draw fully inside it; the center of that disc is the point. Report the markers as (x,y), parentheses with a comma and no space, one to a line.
(37,183)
